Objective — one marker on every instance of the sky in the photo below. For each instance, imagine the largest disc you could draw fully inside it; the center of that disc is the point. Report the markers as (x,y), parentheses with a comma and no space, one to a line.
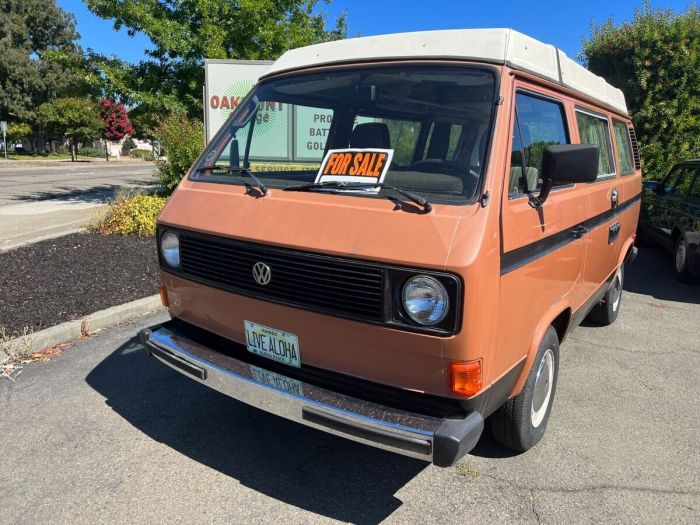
(562,23)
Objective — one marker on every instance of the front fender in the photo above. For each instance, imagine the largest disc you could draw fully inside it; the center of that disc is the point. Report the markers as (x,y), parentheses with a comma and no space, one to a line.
(547,320)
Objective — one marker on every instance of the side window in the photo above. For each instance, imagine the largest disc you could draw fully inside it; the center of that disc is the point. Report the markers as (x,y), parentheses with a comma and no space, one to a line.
(695,189)
(678,181)
(594,130)
(624,147)
(538,123)
(455,135)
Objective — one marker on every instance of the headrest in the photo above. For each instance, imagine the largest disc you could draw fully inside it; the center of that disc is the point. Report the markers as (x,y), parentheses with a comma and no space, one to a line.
(516,159)
(370,135)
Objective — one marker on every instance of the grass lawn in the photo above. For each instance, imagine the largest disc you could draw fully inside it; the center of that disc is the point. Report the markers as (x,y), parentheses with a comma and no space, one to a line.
(50,156)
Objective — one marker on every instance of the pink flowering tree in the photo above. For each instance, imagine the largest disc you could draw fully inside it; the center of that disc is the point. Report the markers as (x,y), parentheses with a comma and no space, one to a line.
(115,120)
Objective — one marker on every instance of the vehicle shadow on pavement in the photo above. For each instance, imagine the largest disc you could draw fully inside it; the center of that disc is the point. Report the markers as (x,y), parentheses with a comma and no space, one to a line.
(297,465)
(96,194)
(652,274)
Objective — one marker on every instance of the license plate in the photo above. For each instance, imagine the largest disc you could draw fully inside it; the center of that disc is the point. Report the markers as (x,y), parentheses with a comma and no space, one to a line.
(283,383)
(277,345)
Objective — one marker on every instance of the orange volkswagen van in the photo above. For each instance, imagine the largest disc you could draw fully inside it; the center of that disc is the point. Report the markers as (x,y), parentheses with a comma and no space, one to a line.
(391,236)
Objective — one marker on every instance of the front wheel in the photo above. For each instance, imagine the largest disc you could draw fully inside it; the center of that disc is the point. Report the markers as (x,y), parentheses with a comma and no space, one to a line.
(520,423)
(680,259)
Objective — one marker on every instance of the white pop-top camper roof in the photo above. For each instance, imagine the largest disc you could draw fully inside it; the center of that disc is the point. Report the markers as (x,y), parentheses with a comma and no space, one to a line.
(499,46)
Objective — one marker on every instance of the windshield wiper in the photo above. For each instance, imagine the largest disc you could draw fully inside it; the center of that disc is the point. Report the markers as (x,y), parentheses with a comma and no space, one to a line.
(243,171)
(337,185)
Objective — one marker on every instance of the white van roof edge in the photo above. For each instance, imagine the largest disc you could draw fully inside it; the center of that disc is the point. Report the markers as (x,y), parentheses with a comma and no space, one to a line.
(499,46)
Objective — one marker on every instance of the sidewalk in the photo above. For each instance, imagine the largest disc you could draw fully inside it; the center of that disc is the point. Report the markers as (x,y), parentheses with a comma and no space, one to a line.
(23,224)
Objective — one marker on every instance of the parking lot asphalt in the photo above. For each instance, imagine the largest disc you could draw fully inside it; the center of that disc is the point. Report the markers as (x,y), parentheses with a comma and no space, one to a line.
(107,434)
(43,202)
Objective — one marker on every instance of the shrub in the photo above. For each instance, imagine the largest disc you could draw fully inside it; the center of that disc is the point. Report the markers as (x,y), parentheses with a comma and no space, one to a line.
(97,153)
(183,142)
(128,145)
(655,61)
(131,215)
(144,154)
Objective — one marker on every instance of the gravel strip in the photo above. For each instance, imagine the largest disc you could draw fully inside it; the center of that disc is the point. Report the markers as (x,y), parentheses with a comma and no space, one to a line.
(63,279)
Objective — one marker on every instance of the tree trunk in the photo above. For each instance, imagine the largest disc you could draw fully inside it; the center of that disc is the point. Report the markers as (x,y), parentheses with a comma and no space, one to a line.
(73,150)
(106,152)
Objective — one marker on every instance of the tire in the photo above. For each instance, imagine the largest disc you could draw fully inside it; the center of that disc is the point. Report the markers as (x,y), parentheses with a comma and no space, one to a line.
(605,312)
(520,423)
(681,269)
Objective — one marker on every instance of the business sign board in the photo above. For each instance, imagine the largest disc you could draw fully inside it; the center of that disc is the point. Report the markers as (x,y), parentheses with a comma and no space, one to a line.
(283,132)
(226,83)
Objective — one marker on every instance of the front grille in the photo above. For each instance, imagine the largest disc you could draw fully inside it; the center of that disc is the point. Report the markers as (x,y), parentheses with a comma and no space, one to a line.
(317,282)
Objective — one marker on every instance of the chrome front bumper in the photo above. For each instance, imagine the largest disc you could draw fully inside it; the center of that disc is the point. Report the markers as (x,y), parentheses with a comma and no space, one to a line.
(441,441)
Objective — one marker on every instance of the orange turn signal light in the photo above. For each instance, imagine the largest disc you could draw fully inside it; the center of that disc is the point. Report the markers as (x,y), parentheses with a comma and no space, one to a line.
(465,378)
(164,297)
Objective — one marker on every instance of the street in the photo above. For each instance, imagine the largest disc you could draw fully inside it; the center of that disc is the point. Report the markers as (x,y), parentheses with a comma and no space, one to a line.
(41,202)
(107,434)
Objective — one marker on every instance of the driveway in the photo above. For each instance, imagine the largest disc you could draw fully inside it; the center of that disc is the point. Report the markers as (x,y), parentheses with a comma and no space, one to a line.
(106,434)
(41,202)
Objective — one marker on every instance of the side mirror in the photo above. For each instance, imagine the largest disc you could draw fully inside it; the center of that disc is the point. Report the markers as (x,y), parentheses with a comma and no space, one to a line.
(570,163)
(652,185)
(566,163)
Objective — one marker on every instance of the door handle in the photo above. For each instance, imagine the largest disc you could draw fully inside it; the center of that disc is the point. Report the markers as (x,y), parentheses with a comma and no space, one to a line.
(579,232)
(614,198)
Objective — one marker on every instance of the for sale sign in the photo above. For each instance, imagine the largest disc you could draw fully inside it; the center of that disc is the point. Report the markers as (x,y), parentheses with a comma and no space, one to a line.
(367,165)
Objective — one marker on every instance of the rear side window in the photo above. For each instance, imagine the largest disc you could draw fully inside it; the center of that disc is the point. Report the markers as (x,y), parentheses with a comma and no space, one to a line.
(624,147)
(538,123)
(593,129)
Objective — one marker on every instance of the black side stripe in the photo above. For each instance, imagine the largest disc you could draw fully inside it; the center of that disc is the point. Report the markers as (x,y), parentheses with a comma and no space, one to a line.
(519,257)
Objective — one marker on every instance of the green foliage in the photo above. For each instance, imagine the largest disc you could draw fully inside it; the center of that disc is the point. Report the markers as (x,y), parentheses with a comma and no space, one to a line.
(183,142)
(655,60)
(37,40)
(128,145)
(18,130)
(96,153)
(145,154)
(75,118)
(185,33)
(131,215)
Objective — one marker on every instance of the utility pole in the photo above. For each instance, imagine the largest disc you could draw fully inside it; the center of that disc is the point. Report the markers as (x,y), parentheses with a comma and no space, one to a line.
(3,125)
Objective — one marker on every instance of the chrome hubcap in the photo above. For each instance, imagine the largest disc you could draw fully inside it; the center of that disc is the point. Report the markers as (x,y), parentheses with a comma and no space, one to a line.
(680,256)
(617,290)
(543,388)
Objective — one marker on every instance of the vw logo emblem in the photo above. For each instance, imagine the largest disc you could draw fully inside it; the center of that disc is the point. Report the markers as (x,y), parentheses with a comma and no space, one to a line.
(262,273)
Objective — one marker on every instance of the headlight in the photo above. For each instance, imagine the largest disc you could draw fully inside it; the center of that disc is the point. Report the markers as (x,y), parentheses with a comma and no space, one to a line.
(425,300)
(170,249)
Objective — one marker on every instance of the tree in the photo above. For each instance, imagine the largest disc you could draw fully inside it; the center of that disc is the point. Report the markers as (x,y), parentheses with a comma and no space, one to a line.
(37,42)
(115,122)
(75,118)
(655,61)
(183,142)
(18,130)
(185,32)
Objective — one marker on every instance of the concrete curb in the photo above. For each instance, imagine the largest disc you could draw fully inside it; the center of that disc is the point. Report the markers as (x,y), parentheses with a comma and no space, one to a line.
(72,330)
(34,240)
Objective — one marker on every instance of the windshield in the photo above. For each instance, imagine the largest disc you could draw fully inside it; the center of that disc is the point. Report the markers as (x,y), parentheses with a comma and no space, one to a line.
(436,120)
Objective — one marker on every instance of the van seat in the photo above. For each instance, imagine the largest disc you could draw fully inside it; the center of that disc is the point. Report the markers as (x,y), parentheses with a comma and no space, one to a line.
(370,135)
(516,184)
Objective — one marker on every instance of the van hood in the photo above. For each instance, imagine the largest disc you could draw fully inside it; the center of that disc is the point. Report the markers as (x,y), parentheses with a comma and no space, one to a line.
(334,224)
